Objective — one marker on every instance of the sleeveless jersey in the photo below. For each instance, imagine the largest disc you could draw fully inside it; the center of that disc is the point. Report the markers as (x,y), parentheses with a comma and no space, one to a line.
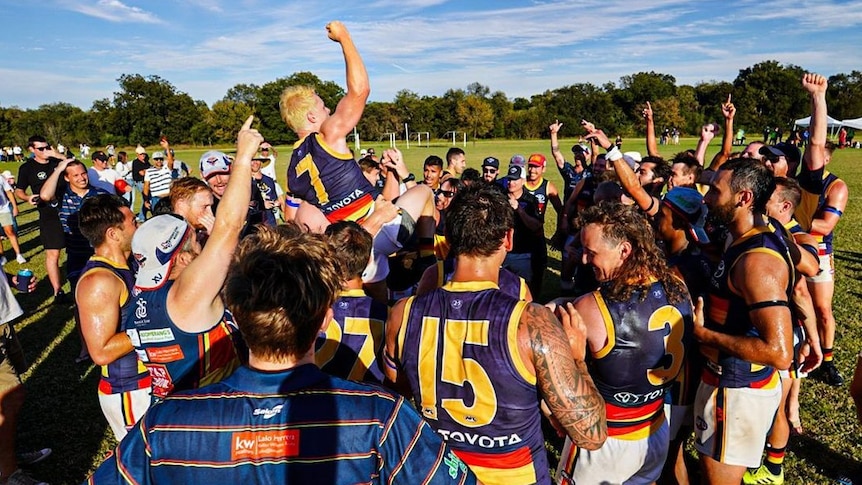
(331,181)
(353,340)
(508,282)
(815,185)
(126,373)
(458,348)
(179,360)
(540,191)
(645,350)
(727,312)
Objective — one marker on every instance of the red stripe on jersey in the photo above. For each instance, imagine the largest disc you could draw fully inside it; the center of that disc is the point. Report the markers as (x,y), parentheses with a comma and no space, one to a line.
(513,459)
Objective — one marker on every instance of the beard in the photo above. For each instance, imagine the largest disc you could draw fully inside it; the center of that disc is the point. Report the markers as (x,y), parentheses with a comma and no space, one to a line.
(721,215)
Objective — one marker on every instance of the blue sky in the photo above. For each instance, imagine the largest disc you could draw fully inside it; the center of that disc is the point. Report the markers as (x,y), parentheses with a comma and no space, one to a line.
(74,50)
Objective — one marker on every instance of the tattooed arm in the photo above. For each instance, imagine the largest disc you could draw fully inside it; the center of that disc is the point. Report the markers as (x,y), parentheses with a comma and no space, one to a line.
(563,382)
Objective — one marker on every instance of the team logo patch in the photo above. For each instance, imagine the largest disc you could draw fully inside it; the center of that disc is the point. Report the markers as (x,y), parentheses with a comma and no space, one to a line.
(42,175)
(457,303)
(141,310)
(343,305)
(701,424)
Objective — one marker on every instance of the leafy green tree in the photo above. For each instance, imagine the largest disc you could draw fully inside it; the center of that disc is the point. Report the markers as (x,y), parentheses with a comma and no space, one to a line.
(476,115)
(769,94)
(226,117)
(844,96)
(502,109)
(147,107)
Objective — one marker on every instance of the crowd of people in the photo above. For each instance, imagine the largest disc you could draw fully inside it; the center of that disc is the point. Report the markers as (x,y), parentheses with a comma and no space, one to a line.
(386,331)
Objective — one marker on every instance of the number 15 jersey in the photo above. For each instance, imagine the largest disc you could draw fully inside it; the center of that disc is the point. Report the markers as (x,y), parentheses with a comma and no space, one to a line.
(458,348)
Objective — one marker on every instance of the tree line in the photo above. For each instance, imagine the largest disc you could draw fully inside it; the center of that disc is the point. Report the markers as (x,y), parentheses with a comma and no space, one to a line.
(147,107)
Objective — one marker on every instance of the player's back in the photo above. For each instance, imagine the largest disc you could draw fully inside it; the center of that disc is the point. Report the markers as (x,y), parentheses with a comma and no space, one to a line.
(458,347)
(353,339)
(645,350)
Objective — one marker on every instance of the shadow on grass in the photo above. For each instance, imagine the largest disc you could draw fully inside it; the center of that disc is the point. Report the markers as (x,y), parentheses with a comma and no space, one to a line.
(62,409)
(828,462)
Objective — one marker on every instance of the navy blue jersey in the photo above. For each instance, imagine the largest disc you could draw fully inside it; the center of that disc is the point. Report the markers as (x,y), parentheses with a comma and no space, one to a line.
(331,181)
(540,192)
(457,346)
(353,341)
(644,353)
(178,360)
(126,373)
(727,312)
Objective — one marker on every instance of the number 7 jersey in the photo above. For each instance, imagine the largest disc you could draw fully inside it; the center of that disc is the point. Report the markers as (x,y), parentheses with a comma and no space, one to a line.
(458,348)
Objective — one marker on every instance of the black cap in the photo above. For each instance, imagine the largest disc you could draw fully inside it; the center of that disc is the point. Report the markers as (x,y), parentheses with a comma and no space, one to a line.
(491,162)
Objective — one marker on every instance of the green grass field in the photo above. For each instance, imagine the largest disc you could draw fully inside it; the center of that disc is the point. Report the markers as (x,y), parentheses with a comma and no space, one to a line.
(62,410)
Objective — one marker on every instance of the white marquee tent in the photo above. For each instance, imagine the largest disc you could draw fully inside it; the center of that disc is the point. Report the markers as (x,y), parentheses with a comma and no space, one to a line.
(854,123)
(830,122)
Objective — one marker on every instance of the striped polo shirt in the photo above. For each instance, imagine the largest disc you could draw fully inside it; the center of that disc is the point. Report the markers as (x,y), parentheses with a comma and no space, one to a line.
(294,426)
(160,181)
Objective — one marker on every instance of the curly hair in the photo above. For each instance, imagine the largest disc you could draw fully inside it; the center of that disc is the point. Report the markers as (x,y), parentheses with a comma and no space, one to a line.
(646,262)
(280,285)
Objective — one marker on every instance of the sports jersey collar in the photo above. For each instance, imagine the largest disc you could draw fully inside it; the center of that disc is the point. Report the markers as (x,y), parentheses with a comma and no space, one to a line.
(281,382)
(353,292)
(470,286)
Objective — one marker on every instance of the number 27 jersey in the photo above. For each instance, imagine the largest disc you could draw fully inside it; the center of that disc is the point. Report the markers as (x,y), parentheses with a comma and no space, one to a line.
(458,347)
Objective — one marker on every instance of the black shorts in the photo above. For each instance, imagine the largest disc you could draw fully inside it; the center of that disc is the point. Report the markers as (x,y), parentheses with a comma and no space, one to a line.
(50,229)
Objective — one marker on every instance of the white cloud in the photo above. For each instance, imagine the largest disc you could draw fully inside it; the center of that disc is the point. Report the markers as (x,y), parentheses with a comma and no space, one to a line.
(114,11)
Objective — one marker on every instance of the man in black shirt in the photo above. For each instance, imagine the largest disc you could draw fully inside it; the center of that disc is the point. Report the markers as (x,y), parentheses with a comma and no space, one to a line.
(139,166)
(33,174)
(528,227)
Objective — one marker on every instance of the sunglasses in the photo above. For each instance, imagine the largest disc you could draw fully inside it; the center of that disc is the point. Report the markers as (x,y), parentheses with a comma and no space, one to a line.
(447,193)
(489,170)
(42,149)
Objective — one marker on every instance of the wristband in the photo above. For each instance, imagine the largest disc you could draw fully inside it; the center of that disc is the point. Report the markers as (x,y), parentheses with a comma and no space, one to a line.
(833,210)
(408,178)
(555,148)
(613,154)
(291,203)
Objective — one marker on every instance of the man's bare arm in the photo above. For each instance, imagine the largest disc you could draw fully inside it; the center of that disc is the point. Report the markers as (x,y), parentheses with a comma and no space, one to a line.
(554,128)
(815,151)
(762,282)
(564,383)
(350,108)
(836,200)
(100,318)
(651,145)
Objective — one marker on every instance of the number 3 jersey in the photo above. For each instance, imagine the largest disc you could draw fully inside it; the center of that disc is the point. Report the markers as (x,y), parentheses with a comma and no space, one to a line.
(644,352)
(458,347)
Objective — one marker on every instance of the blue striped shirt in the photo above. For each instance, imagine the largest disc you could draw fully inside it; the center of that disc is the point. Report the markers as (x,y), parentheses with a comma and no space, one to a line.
(295,426)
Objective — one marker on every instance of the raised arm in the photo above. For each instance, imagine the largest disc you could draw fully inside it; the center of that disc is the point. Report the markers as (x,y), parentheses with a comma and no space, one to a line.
(563,382)
(350,108)
(49,189)
(729,111)
(554,128)
(196,294)
(651,146)
(628,178)
(815,151)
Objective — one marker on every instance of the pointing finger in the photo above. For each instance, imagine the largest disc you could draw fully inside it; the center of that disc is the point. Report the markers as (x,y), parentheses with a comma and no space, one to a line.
(248,122)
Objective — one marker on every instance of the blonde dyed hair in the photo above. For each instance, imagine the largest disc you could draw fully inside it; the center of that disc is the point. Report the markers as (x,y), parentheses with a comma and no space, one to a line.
(294,104)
